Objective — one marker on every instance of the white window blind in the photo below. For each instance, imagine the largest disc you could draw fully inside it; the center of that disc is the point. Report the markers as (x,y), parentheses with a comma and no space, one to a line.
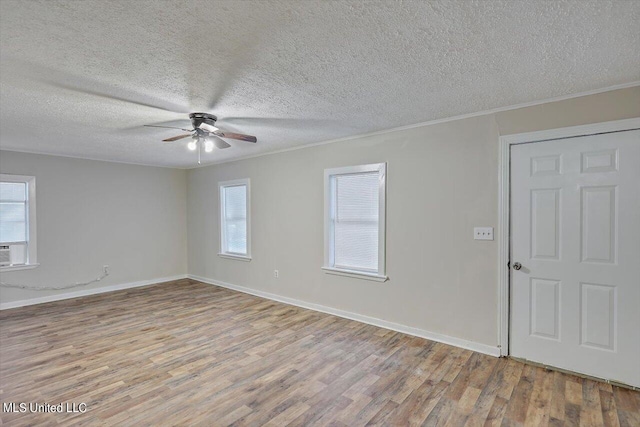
(13,212)
(355,221)
(234,201)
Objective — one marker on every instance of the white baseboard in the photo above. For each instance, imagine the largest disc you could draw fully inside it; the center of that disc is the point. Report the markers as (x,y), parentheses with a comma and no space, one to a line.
(76,294)
(445,339)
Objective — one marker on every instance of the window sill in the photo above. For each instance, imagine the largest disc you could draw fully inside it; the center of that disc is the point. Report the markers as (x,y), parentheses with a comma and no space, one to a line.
(236,257)
(19,267)
(355,274)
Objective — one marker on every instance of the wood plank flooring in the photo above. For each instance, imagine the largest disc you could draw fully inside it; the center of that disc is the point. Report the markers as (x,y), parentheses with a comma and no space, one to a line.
(186,353)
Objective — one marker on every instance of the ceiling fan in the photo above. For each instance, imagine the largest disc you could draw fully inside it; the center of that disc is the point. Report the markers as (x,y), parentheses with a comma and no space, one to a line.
(205,134)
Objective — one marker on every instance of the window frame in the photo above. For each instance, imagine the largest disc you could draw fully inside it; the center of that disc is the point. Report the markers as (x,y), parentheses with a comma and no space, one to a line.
(224,253)
(329,236)
(31,240)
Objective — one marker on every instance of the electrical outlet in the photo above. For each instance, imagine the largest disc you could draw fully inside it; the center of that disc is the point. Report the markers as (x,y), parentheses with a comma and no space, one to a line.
(483,233)
(105,268)
(276,273)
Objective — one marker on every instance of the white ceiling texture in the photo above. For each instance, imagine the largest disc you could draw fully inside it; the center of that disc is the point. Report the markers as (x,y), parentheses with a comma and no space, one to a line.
(81,78)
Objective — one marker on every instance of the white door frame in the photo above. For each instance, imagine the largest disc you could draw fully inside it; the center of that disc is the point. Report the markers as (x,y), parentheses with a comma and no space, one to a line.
(504,220)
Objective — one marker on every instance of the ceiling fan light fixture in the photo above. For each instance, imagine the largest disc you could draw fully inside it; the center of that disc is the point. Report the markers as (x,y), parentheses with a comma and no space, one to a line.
(205,135)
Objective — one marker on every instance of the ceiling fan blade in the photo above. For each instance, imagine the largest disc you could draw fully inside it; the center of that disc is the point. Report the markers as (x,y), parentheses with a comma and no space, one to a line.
(175,138)
(219,143)
(177,123)
(167,127)
(229,76)
(81,84)
(240,136)
(271,121)
(123,98)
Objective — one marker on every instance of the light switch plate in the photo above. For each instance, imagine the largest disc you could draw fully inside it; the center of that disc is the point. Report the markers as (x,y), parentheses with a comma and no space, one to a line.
(483,233)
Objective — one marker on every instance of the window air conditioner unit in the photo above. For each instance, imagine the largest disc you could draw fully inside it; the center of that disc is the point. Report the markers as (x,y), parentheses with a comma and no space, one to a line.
(5,255)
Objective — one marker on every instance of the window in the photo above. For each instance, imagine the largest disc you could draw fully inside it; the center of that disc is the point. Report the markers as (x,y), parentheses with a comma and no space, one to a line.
(17,222)
(235,226)
(355,221)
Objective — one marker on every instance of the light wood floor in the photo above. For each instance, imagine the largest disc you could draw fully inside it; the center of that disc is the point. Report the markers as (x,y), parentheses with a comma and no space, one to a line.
(192,354)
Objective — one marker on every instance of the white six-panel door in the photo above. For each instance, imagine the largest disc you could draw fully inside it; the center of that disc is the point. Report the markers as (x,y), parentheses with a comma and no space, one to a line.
(575,231)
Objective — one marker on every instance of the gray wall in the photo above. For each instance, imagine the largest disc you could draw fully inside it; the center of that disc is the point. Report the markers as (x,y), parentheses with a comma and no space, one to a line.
(92,213)
(441,182)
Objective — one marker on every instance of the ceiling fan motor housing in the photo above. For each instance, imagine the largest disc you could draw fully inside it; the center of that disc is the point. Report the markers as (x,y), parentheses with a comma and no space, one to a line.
(198,118)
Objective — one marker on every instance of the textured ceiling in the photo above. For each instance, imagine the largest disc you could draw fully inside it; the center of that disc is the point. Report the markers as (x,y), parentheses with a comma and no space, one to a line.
(306,71)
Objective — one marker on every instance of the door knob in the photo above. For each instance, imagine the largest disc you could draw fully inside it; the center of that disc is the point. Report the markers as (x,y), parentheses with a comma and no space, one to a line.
(517,266)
